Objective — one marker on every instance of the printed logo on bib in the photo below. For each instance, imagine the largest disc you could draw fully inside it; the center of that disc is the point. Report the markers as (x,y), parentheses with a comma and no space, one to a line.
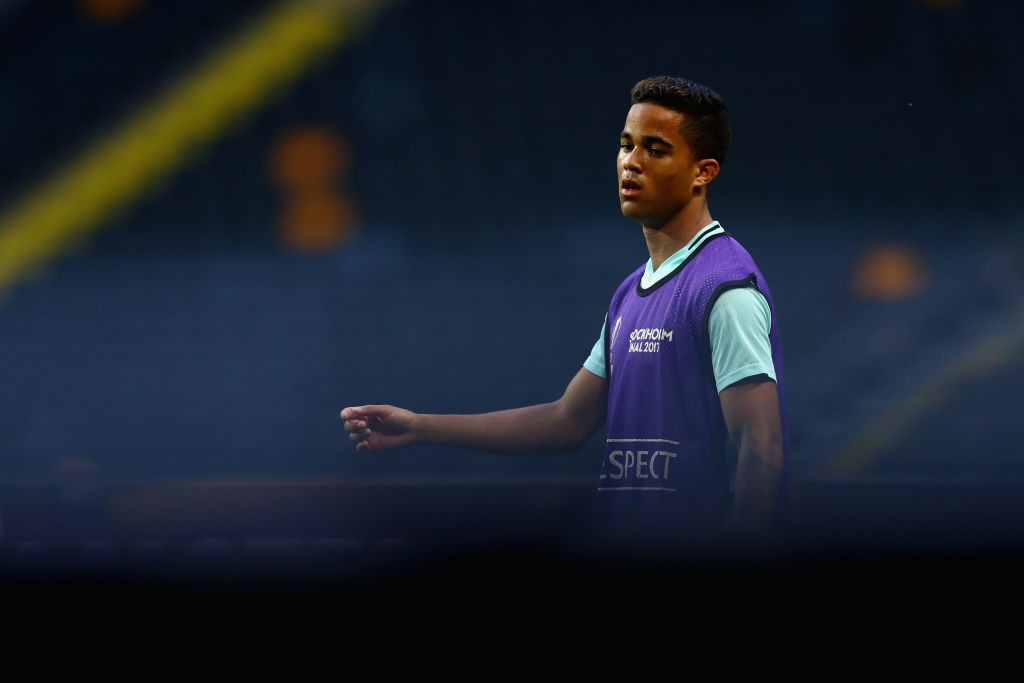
(615,330)
(645,464)
(648,339)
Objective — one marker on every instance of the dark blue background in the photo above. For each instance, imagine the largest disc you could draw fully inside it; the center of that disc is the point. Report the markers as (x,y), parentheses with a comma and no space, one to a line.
(185,347)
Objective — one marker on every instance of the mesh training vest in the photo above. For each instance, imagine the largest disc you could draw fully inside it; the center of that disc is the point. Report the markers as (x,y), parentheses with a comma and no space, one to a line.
(665,472)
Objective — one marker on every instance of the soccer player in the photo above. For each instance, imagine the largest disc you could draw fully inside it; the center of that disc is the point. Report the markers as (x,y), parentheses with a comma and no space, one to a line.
(686,375)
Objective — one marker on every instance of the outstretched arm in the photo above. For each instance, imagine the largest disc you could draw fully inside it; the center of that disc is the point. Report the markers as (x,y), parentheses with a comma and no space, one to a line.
(564,424)
(751,411)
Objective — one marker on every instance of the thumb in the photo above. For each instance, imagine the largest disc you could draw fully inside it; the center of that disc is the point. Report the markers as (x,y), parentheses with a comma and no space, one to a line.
(351,412)
(361,411)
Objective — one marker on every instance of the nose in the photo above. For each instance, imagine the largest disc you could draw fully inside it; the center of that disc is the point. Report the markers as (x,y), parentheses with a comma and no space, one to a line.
(631,160)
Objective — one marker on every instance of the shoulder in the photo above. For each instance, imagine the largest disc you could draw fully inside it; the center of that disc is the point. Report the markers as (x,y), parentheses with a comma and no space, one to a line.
(741,303)
(726,246)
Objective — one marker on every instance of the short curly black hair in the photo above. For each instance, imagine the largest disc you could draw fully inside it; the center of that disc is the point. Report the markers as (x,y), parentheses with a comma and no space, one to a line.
(705,116)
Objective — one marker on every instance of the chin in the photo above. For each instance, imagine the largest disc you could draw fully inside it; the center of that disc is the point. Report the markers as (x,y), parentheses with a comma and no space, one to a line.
(630,212)
(636,217)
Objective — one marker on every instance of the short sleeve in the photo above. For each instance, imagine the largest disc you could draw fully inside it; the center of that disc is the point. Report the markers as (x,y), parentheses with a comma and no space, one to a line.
(595,361)
(738,327)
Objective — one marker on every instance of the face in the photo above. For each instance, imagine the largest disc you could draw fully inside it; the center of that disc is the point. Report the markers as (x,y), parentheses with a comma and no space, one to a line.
(657,171)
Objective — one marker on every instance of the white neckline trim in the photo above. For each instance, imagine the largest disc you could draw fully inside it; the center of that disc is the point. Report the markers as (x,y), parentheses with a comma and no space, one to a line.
(652,277)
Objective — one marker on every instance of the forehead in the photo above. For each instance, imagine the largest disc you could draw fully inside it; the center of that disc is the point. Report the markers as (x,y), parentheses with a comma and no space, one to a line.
(650,119)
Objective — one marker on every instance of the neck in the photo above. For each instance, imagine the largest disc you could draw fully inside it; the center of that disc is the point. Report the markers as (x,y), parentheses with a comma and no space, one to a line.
(666,240)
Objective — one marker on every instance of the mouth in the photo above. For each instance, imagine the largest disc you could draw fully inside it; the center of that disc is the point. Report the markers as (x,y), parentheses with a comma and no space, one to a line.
(629,188)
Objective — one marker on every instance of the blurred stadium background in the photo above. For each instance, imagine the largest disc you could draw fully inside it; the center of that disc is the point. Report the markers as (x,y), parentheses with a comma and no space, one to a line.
(221,222)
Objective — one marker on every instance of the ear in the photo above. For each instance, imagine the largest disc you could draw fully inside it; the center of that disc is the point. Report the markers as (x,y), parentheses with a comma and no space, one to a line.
(707,169)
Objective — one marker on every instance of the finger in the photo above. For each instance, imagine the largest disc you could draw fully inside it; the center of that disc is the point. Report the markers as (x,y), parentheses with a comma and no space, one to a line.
(353,425)
(348,413)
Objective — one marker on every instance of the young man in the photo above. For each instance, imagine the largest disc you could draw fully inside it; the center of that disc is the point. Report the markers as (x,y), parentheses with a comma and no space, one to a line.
(687,373)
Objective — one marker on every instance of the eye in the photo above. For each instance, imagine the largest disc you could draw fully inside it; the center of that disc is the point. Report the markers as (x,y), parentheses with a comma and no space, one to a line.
(626,146)
(657,152)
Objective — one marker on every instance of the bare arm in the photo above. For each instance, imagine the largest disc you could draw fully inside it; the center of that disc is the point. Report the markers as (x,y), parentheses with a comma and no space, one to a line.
(564,424)
(751,411)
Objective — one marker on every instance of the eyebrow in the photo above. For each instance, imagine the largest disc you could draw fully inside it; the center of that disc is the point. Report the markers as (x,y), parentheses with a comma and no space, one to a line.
(647,139)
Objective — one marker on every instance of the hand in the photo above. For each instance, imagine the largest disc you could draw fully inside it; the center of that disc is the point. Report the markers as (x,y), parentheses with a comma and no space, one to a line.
(378,428)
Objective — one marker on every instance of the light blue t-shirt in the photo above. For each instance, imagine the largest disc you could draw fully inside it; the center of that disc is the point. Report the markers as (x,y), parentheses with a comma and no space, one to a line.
(738,326)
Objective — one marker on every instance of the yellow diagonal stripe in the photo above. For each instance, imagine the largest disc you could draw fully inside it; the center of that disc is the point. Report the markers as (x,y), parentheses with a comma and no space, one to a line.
(998,350)
(273,49)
